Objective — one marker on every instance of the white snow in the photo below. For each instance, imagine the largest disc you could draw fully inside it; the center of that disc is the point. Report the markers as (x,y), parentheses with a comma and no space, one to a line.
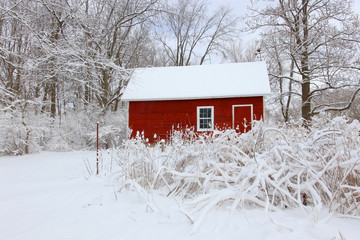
(51,196)
(201,81)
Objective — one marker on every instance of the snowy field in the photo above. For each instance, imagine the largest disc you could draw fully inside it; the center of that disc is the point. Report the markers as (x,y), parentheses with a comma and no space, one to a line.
(51,196)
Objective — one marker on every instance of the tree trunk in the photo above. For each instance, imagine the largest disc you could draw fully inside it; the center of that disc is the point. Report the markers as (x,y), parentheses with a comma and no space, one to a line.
(53,99)
(306,105)
(305,71)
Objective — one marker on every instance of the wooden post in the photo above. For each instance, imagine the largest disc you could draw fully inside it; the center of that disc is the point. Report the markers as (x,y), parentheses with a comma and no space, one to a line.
(97,148)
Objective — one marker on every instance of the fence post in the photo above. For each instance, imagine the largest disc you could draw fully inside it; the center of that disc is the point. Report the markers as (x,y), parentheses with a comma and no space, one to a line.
(97,148)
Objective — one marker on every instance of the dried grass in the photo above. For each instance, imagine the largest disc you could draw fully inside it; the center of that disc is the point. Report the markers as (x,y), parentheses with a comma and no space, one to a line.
(274,168)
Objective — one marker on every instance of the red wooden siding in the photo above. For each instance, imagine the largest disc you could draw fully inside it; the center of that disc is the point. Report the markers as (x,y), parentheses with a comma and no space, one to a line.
(160,117)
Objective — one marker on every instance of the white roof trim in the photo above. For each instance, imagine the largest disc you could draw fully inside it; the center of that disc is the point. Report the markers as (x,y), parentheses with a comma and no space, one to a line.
(198,82)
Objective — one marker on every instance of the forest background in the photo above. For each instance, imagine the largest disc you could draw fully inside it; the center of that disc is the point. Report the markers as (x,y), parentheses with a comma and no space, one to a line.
(64,64)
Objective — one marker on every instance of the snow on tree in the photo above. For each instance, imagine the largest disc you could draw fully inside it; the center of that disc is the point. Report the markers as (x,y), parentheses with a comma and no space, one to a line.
(313,50)
(189,33)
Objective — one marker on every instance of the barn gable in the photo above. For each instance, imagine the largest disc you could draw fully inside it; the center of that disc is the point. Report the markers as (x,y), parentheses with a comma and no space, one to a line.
(199,97)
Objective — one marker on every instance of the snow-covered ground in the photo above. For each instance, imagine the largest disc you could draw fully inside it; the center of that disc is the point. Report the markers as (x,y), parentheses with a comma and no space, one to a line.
(51,196)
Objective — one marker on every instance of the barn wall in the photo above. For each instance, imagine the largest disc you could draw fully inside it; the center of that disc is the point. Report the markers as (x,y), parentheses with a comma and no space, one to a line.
(160,117)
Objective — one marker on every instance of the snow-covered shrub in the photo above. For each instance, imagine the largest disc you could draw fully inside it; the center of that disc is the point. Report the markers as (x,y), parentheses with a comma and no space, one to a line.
(25,129)
(70,131)
(77,130)
(283,167)
(22,130)
(112,130)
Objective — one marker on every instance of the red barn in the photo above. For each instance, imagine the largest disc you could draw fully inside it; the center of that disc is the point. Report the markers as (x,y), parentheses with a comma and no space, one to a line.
(202,98)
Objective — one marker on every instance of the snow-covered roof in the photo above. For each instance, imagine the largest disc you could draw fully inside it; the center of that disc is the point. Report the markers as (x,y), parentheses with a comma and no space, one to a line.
(197,82)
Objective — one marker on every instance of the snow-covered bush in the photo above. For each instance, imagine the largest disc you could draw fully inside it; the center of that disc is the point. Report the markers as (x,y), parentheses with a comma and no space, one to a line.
(29,130)
(22,130)
(282,167)
(112,130)
(70,131)
(77,130)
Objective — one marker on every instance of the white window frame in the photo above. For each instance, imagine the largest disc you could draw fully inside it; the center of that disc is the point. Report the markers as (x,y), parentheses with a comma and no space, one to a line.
(198,119)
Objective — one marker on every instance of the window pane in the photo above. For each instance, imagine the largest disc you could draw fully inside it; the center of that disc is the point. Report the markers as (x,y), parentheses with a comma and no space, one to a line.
(202,123)
(202,112)
(206,112)
(205,123)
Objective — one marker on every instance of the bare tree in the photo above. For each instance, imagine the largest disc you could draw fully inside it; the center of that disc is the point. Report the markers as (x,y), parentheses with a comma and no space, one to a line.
(87,47)
(237,51)
(18,86)
(64,55)
(116,37)
(317,40)
(282,70)
(189,33)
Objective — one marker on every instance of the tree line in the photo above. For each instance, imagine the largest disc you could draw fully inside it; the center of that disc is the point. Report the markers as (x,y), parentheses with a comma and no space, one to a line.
(70,56)
(61,53)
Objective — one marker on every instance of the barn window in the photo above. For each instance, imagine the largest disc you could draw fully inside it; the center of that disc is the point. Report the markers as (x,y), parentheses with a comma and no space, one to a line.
(205,118)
